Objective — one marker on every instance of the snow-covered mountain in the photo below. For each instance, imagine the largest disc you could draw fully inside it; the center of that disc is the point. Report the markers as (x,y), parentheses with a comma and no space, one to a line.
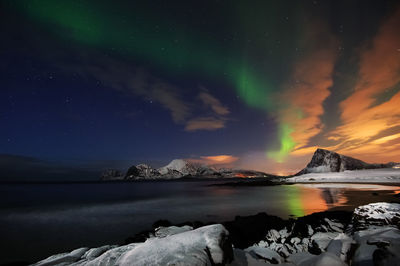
(177,168)
(180,168)
(324,161)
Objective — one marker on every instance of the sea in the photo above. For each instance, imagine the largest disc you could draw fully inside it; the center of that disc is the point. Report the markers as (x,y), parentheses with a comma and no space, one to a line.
(41,219)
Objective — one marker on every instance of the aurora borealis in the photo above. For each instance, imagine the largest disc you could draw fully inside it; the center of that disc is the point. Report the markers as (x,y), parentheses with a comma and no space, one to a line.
(261,83)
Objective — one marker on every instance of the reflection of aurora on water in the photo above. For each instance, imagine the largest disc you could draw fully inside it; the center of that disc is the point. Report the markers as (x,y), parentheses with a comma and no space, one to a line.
(305,199)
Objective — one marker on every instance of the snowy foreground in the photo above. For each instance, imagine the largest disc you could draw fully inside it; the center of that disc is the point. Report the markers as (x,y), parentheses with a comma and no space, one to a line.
(384,175)
(371,237)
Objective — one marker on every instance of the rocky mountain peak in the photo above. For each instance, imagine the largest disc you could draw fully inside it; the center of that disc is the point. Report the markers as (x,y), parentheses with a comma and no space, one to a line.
(329,161)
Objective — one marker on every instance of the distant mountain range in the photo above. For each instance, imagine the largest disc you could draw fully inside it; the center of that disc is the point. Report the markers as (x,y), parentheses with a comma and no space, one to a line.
(178,168)
(324,161)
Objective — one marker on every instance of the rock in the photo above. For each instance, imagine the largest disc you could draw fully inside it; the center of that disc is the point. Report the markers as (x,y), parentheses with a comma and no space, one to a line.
(310,231)
(300,257)
(111,174)
(132,172)
(142,171)
(377,214)
(324,161)
(337,227)
(95,252)
(240,257)
(208,245)
(171,230)
(265,254)
(322,240)
(110,257)
(273,235)
(340,246)
(203,246)
(179,167)
(63,258)
(377,242)
(249,230)
(323,259)
(281,249)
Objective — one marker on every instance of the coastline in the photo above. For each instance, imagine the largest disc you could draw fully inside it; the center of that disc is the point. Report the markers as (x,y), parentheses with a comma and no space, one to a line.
(325,236)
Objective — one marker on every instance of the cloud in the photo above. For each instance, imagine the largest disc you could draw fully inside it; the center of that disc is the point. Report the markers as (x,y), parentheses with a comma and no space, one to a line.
(216,160)
(219,159)
(171,100)
(216,114)
(204,123)
(214,103)
(370,116)
(135,81)
(309,88)
(305,92)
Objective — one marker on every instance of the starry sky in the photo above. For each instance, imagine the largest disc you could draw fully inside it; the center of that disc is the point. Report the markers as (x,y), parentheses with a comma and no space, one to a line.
(244,84)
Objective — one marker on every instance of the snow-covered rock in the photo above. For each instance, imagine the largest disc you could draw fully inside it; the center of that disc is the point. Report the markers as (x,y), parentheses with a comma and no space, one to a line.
(180,166)
(324,161)
(265,254)
(204,246)
(323,259)
(208,245)
(142,171)
(381,243)
(171,230)
(322,240)
(177,168)
(64,258)
(384,175)
(378,214)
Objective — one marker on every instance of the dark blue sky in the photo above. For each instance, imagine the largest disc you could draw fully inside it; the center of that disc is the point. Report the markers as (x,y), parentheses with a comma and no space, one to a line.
(95,81)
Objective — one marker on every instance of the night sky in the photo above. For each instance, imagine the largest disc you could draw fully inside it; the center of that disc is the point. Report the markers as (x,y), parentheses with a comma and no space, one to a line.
(95,84)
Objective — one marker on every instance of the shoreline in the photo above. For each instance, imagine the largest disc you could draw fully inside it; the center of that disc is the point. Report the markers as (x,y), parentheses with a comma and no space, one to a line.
(323,238)
(250,229)
(356,198)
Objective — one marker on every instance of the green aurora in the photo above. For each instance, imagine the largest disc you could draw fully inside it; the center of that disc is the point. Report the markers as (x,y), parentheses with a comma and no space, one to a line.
(178,52)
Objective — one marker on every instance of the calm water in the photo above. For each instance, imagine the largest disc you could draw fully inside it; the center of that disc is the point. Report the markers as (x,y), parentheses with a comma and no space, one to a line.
(37,220)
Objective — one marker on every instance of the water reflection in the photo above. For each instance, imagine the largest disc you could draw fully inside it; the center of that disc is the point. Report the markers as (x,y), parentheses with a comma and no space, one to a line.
(304,199)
